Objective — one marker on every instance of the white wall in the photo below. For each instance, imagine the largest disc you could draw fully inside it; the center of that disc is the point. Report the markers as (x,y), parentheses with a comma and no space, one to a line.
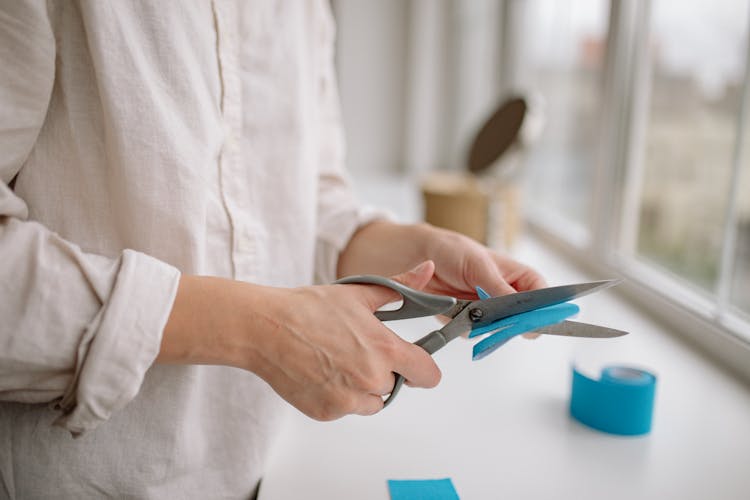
(417,78)
(371,58)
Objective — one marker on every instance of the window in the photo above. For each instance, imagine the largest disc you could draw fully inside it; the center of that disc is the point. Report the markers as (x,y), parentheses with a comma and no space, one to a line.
(562,50)
(739,289)
(648,147)
(696,59)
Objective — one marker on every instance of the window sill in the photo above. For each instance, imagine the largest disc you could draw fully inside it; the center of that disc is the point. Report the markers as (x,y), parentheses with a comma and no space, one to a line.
(493,425)
(682,313)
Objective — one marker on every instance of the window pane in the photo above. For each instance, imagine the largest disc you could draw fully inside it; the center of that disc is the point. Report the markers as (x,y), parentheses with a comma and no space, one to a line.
(740,291)
(698,49)
(563,50)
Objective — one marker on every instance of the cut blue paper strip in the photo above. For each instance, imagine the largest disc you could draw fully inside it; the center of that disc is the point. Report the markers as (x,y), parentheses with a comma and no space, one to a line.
(505,329)
(482,294)
(509,327)
(422,489)
(537,318)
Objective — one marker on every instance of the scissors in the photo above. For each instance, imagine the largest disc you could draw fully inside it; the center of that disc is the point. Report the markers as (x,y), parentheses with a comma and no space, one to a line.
(543,311)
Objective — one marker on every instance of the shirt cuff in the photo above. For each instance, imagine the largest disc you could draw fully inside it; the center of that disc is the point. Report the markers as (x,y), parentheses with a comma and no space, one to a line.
(124,340)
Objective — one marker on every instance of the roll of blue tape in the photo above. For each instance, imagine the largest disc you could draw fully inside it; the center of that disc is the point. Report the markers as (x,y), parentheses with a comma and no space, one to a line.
(620,402)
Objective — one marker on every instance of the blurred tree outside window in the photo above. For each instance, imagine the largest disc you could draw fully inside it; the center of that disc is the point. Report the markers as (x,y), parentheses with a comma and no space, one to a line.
(698,52)
(660,113)
(563,46)
(740,286)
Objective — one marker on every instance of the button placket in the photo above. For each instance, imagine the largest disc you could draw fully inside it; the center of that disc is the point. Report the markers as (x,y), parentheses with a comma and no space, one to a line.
(234,184)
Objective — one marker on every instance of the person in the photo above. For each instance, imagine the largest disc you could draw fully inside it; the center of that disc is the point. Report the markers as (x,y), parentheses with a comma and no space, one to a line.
(173,204)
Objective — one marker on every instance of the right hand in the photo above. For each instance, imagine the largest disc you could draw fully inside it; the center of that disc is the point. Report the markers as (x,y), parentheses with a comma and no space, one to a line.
(319,347)
(327,354)
(322,349)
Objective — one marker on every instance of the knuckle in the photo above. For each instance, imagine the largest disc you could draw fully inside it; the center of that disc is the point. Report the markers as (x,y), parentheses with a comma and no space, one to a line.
(359,375)
(374,408)
(385,383)
(364,378)
(327,410)
(376,384)
(321,413)
(349,404)
(390,346)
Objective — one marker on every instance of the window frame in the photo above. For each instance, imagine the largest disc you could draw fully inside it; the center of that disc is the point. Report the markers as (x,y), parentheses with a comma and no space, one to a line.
(707,320)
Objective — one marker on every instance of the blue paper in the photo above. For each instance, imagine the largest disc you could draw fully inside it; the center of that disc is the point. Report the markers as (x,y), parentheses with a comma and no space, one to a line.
(509,327)
(422,489)
(482,294)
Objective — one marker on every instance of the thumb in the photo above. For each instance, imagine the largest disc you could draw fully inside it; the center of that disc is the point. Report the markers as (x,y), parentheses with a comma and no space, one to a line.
(417,278)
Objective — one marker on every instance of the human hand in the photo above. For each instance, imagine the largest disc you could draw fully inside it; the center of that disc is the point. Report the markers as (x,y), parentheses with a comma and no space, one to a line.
(320,347)
(463,264)
(328,355)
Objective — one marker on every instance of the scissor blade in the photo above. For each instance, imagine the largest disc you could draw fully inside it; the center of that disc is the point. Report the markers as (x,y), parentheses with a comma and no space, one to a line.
(577,329)
(500,307)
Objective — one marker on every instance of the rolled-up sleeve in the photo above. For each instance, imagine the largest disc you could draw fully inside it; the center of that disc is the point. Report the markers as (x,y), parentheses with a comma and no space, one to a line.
(339,212)
(78,330)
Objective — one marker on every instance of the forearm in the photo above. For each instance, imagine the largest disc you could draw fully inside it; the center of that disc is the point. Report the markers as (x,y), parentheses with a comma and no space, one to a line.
(216,321)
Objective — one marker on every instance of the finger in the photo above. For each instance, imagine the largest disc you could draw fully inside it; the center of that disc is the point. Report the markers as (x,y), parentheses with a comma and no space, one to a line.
(531,335)
(418,277)
(486,274)
(530,280)
(520,276)
(387,386)
(498,286)
(416,366)
(369,404)
(377,296)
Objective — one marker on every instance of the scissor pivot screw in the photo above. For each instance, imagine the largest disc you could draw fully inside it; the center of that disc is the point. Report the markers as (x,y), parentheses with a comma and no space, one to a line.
(476,314)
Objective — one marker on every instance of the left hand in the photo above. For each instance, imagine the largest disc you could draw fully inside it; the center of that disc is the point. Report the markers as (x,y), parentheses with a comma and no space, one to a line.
(461,264)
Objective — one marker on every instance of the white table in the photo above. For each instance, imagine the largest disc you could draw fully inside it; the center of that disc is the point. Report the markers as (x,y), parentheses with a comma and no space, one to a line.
(500,427)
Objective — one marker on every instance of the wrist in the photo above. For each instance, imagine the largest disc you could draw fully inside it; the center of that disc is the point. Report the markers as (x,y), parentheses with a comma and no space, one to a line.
(211,322)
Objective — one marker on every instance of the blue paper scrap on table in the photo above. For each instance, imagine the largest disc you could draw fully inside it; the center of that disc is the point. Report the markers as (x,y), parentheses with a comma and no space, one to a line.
(422,489)
(620,402)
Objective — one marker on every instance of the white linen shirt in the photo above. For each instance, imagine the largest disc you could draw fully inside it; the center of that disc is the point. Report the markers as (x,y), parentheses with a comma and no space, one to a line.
(139,140)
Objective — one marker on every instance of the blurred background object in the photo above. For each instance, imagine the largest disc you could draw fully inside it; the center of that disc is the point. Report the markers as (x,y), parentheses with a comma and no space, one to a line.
(483,201)
(457,201)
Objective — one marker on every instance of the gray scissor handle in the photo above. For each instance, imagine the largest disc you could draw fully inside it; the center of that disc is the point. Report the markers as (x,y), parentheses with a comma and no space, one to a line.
(416,304)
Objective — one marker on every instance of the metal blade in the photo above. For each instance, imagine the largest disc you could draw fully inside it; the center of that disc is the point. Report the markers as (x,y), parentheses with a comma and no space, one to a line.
(484,312)
(576,329)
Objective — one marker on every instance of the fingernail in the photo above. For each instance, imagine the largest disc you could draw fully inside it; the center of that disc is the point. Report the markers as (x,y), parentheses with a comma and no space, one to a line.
(421,266)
